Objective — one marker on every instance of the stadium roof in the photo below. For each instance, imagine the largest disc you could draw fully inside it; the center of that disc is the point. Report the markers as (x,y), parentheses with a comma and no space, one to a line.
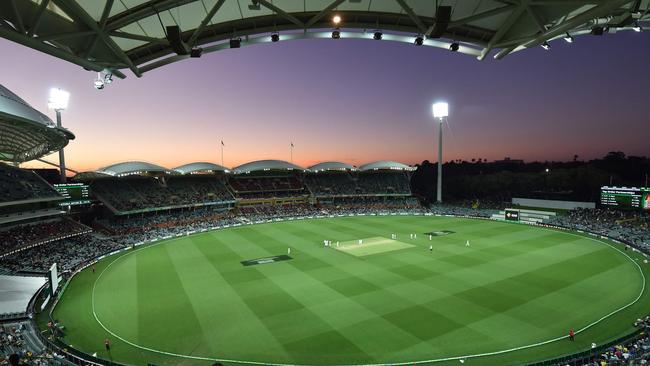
(90,175)
(262,165)
(132,168)
(200,167)
(384,165)
(330,165)
(113,35)
(25,133)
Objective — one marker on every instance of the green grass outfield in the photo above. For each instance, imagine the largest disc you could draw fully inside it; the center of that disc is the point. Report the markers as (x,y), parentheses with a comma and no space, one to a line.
(187,300)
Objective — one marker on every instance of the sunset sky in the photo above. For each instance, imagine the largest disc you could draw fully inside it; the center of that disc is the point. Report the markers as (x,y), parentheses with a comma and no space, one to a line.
(352,100)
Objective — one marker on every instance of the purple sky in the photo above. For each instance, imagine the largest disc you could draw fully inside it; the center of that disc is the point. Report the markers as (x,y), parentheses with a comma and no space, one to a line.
(354,101)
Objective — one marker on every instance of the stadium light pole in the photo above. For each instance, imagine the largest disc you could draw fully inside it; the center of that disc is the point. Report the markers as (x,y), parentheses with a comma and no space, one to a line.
(440,112)
(59,102)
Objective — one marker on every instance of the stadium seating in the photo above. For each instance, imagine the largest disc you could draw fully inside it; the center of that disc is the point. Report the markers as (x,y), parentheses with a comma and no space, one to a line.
(21,185)
(149,193)
(368,183)
(19,338)
(331,184)
(23,236)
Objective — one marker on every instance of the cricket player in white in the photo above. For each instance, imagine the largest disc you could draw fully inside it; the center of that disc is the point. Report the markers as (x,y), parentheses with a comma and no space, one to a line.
(360,241)
(430,237)
(289,250)
(467,244)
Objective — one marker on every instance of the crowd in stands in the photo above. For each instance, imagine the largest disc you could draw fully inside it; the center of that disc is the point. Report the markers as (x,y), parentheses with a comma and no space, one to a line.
(19,185)
(19,345)
(143,193)
(629,226)
(383,182)
(331,184)
(631,353)
(137,194)
(25,235)
(68,253)
(369,183)
(265,184)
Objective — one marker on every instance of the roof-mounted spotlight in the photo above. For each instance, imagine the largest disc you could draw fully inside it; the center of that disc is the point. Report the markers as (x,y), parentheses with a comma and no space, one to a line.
(196,52)
(99,83)
(235,43)
(336,19)
(275,37)
(108,78)
(597,30)
(454,47)
(637,27)
(568,38)
(419,41)
(336,34)
(377,36)
(546,46)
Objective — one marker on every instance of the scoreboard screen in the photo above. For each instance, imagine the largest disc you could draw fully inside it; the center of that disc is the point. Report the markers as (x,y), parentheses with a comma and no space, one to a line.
(511,215)
(625,198)
(74,194)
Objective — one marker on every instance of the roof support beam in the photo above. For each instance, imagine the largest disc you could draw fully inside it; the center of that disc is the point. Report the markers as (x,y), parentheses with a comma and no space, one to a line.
(192,41)
(37,18)
(538,20)
(596,12)
(480,16)
(75,11)
(504,28)
(19,19)
(416,19)
(102,23)
(138,37)
(281,12)
(67,35)
(322,13)
(563,27)
(6,32)
(143,11)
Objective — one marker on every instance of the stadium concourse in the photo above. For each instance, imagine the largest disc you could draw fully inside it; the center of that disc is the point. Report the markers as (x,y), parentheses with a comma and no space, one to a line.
(137,202)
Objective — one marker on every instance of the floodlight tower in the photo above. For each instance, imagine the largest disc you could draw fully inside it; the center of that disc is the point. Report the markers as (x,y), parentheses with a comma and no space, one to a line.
(440,112)
(59,102)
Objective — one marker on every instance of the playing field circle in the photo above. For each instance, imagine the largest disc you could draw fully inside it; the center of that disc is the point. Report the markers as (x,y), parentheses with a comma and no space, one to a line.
(275,293)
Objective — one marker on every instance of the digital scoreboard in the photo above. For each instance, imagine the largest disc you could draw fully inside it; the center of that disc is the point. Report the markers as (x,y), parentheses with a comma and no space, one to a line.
(74,194)
(625,198)
(511,215)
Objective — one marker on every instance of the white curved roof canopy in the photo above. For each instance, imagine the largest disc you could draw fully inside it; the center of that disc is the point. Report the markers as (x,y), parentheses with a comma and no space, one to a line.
(200,167)
(262,165)
(384,165)
(330,165)
(116,35)
(132,168)
(25,133)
